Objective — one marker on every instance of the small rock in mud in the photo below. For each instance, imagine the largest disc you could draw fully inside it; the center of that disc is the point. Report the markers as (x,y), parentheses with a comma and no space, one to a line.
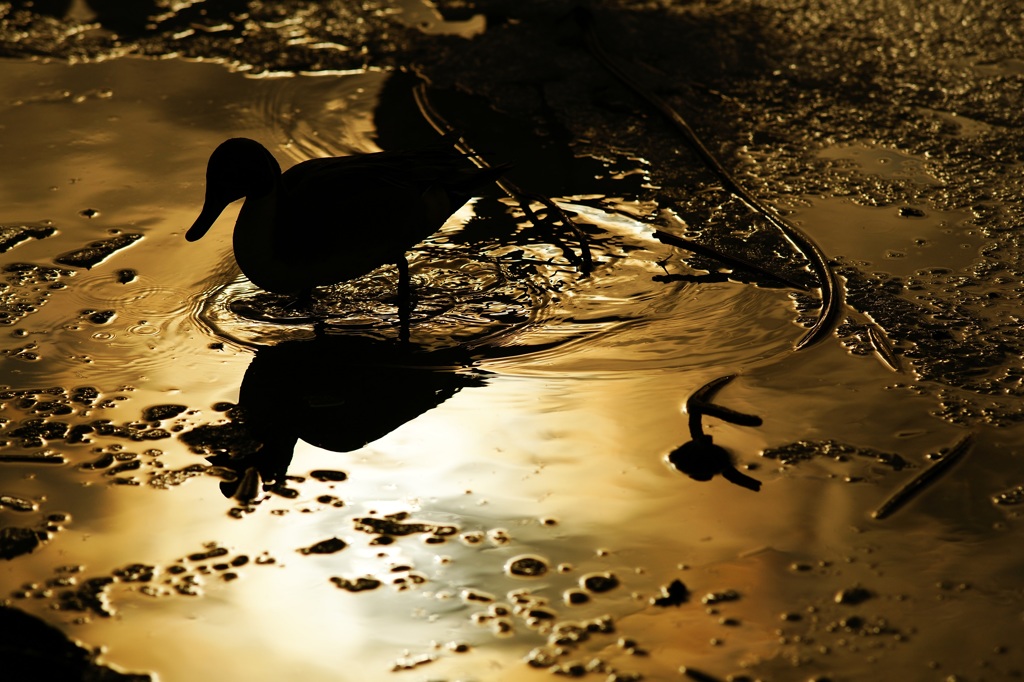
(17,541)
(720,597)
(328,475)
(91,596)
(599,582)
(357,585)
(329,546)
(99,316)
(574,597)
(158,413)
(211,553)
(853,595)
(392,525)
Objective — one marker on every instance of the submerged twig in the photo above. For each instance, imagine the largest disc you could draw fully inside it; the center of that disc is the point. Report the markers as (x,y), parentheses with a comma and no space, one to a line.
(882,347)
(729,259)
(584,261)
(917,484)
(831,293)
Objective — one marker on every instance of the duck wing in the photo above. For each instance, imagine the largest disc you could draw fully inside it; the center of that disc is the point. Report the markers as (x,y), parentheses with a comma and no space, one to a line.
(352,214)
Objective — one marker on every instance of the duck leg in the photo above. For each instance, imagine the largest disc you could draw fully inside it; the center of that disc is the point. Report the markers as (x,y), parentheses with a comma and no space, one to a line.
(404,299)
(303,301)
(306,300)
(404,281)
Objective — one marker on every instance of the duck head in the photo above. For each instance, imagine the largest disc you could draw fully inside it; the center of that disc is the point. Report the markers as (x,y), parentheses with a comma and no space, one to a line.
(238,168)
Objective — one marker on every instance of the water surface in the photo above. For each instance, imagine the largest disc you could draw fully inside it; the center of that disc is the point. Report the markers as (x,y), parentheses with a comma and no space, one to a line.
(533,424)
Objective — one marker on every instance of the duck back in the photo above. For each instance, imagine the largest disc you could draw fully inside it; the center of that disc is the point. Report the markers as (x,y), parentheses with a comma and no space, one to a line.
(343,217)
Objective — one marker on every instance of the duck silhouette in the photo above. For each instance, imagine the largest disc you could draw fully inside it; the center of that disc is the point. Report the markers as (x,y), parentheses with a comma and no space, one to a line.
(329,220)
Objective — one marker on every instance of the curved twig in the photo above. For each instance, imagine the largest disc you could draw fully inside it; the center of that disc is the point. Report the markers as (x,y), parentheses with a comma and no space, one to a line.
(831,293)
(729,259)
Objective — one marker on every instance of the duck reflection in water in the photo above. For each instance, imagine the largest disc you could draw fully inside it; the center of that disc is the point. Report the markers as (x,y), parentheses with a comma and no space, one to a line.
(335,392)
(700,458)
(329,220)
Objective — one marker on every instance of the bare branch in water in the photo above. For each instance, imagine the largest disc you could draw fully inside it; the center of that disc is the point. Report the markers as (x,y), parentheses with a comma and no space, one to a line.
(728,259)
(917,484)
(883,348)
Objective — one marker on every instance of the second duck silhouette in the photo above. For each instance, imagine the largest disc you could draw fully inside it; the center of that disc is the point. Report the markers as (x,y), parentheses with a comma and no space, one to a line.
(329,220)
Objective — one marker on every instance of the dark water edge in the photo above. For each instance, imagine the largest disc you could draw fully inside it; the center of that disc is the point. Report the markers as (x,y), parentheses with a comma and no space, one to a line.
(890,133)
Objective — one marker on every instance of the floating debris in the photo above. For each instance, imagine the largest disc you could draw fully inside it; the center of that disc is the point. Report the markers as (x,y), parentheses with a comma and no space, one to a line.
(99,316)
(1010,497)
(15,541)
(20,504)
(410,662)
(96,252)
(924,479)
(393,525)
(803,450)
(12,235)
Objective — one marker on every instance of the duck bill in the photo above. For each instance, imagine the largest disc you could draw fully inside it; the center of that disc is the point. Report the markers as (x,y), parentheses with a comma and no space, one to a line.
(211,211)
